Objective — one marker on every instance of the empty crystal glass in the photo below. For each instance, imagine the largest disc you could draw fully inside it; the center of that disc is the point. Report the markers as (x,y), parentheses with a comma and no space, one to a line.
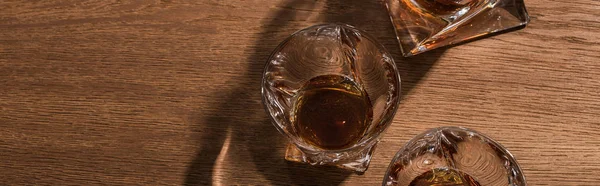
(423,25)
(332,90)
(453,156)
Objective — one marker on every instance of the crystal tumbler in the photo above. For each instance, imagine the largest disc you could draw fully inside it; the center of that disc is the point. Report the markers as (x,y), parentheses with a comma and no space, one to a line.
(453,156)
(423,25)
(332,90)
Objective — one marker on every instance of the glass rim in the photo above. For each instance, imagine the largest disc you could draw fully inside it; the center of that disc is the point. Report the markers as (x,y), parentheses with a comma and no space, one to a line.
(385,121)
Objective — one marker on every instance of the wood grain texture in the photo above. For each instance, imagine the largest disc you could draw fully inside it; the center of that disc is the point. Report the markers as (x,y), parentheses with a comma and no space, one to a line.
(166,92)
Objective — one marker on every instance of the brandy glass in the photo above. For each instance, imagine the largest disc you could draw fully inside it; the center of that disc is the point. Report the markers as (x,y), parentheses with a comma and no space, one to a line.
(453,156)
(423,25)
(332,90)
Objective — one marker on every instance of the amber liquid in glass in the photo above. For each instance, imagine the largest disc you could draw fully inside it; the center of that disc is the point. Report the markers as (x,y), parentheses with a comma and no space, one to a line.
(441,7)
(331,112)
(444,177)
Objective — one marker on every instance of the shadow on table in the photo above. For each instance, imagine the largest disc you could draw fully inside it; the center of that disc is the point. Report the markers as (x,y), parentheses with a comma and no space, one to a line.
(262,139)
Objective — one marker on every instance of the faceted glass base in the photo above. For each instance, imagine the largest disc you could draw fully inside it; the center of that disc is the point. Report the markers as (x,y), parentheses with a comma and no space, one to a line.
(355,160)
(423,25)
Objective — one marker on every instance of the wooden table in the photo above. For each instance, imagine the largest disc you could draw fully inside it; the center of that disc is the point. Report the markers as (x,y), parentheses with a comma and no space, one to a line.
(167,92)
